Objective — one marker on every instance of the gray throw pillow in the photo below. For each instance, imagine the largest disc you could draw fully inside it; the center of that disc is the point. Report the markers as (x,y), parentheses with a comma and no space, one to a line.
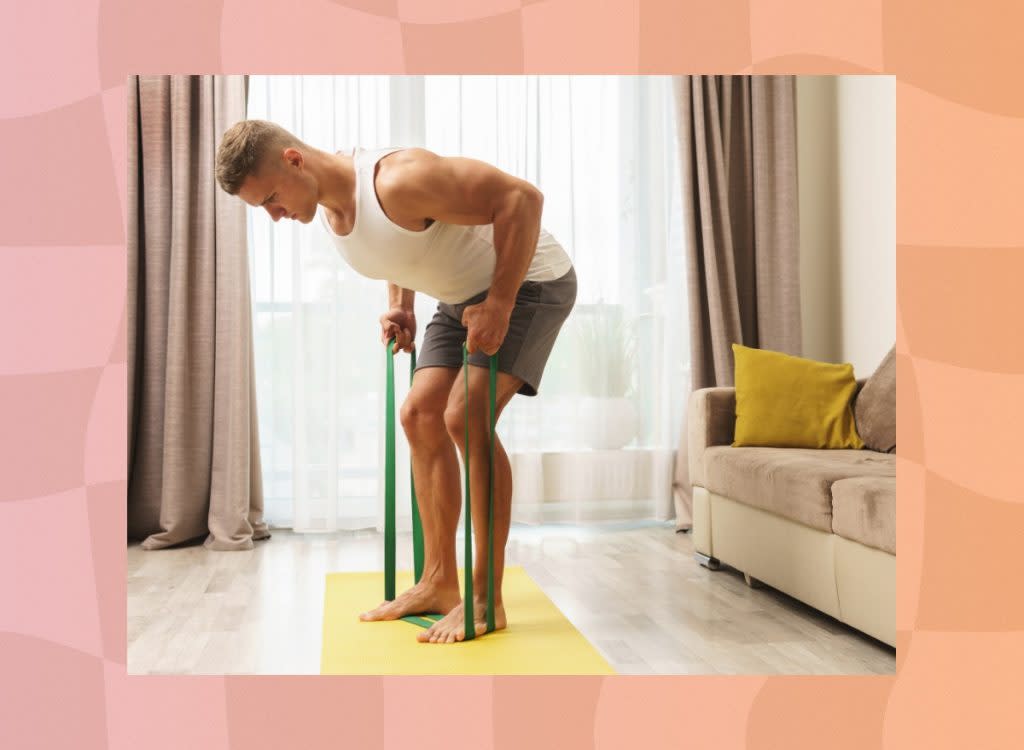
(875,407)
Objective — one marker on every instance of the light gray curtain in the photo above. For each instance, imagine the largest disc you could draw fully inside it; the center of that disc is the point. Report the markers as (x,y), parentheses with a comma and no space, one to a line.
(738,156)
(193,447)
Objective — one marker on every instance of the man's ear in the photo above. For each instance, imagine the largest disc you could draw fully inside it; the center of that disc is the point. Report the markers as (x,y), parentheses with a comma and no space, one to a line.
(293,156)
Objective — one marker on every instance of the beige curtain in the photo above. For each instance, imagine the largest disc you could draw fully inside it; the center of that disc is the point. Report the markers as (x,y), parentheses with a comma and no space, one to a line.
(738,156)
(193,448)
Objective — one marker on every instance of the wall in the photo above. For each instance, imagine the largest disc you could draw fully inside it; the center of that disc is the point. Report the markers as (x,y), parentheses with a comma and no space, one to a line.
(847,169)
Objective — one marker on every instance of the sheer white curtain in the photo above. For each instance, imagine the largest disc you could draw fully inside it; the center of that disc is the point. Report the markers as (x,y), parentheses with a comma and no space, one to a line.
(601,148)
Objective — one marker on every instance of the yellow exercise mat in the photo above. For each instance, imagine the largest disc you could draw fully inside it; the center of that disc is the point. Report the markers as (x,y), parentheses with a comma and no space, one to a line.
(538,640)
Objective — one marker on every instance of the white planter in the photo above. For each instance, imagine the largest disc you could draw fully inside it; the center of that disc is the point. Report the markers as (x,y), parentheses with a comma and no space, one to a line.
(607,423)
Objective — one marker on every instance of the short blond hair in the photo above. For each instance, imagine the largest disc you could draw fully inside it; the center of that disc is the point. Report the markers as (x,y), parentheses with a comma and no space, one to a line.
(244,148)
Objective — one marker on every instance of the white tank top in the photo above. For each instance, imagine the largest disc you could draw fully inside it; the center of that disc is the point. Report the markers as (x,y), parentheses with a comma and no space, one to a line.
(449,262)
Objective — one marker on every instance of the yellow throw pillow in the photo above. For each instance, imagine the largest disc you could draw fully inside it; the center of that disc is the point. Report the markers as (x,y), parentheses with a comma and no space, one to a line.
(792,402)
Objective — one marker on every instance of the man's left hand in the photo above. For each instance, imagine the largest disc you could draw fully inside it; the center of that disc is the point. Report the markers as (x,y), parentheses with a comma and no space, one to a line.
(487,325)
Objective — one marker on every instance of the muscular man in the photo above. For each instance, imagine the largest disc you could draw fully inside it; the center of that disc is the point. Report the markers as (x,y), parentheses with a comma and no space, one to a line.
(469,235)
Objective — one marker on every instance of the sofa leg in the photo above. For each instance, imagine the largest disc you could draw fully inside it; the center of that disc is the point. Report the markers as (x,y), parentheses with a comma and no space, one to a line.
(711,563)
(751,581)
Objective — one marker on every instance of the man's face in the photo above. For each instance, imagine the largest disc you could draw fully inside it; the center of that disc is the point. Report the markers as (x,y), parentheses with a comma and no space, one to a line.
(285,189)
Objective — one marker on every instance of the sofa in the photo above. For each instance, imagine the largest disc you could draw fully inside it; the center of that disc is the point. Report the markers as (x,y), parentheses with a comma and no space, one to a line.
(819,525)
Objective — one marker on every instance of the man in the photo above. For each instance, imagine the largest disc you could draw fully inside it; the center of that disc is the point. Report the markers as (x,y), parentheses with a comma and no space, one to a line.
(469,235)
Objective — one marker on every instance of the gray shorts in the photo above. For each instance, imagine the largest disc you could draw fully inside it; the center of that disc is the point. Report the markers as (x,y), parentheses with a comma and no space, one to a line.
(540,309)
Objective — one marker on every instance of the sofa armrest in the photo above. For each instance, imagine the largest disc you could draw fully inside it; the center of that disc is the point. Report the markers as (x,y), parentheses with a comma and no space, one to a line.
(711,420)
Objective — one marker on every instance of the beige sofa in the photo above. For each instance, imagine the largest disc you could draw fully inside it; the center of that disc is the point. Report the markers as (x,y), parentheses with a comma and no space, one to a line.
(819,525)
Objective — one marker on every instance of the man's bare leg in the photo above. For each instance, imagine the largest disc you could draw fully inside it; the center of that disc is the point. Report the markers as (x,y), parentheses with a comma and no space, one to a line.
(452,627)
(436,473)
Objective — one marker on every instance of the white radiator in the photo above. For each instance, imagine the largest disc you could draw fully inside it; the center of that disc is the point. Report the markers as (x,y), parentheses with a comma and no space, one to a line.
(605,484)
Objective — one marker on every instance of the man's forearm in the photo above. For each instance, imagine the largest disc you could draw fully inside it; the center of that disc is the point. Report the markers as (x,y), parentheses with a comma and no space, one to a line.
(516,230)
(399,297)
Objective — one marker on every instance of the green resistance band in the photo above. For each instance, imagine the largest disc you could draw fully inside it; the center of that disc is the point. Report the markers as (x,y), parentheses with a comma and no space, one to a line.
(389,486)
(467,597)
(427,620)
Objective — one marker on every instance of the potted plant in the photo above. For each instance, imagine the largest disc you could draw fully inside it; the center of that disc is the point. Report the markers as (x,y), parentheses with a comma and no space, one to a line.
(608,419)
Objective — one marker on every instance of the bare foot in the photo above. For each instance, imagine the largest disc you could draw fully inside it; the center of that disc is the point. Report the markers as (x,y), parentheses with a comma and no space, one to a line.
(425,596)
(452,627)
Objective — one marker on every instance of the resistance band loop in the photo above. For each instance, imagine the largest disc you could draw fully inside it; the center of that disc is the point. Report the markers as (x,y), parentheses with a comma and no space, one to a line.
(417,528)
(490,497)
(389,478)
(467,605)
(389,485)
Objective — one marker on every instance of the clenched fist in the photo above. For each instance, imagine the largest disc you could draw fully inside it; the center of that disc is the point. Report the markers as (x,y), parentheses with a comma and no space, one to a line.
(487,326)
(400,324)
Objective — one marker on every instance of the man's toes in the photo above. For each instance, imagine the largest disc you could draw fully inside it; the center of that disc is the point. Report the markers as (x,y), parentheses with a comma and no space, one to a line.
(374,614)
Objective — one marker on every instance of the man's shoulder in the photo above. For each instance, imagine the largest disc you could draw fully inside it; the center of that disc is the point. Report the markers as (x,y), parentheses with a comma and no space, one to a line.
(401,183)
(405,172)
(405,162)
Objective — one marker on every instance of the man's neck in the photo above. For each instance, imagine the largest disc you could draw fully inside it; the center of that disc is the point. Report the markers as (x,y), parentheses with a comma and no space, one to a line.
(336,177)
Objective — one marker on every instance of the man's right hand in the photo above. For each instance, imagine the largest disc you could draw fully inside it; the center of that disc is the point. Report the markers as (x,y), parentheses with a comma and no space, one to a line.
(400,324)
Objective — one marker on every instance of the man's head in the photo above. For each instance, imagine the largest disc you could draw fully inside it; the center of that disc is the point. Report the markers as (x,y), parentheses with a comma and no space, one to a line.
(266,166)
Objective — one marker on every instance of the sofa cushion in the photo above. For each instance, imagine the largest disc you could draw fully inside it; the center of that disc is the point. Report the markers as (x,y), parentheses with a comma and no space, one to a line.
(791,482)
(793,402)
(875,407)
(864,510)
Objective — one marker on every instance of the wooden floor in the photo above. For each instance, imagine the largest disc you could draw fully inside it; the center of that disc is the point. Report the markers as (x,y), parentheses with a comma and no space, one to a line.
(634,590)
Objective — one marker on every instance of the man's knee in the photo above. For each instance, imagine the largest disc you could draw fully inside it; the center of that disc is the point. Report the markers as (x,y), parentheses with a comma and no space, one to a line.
(420,416)
(455,423)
